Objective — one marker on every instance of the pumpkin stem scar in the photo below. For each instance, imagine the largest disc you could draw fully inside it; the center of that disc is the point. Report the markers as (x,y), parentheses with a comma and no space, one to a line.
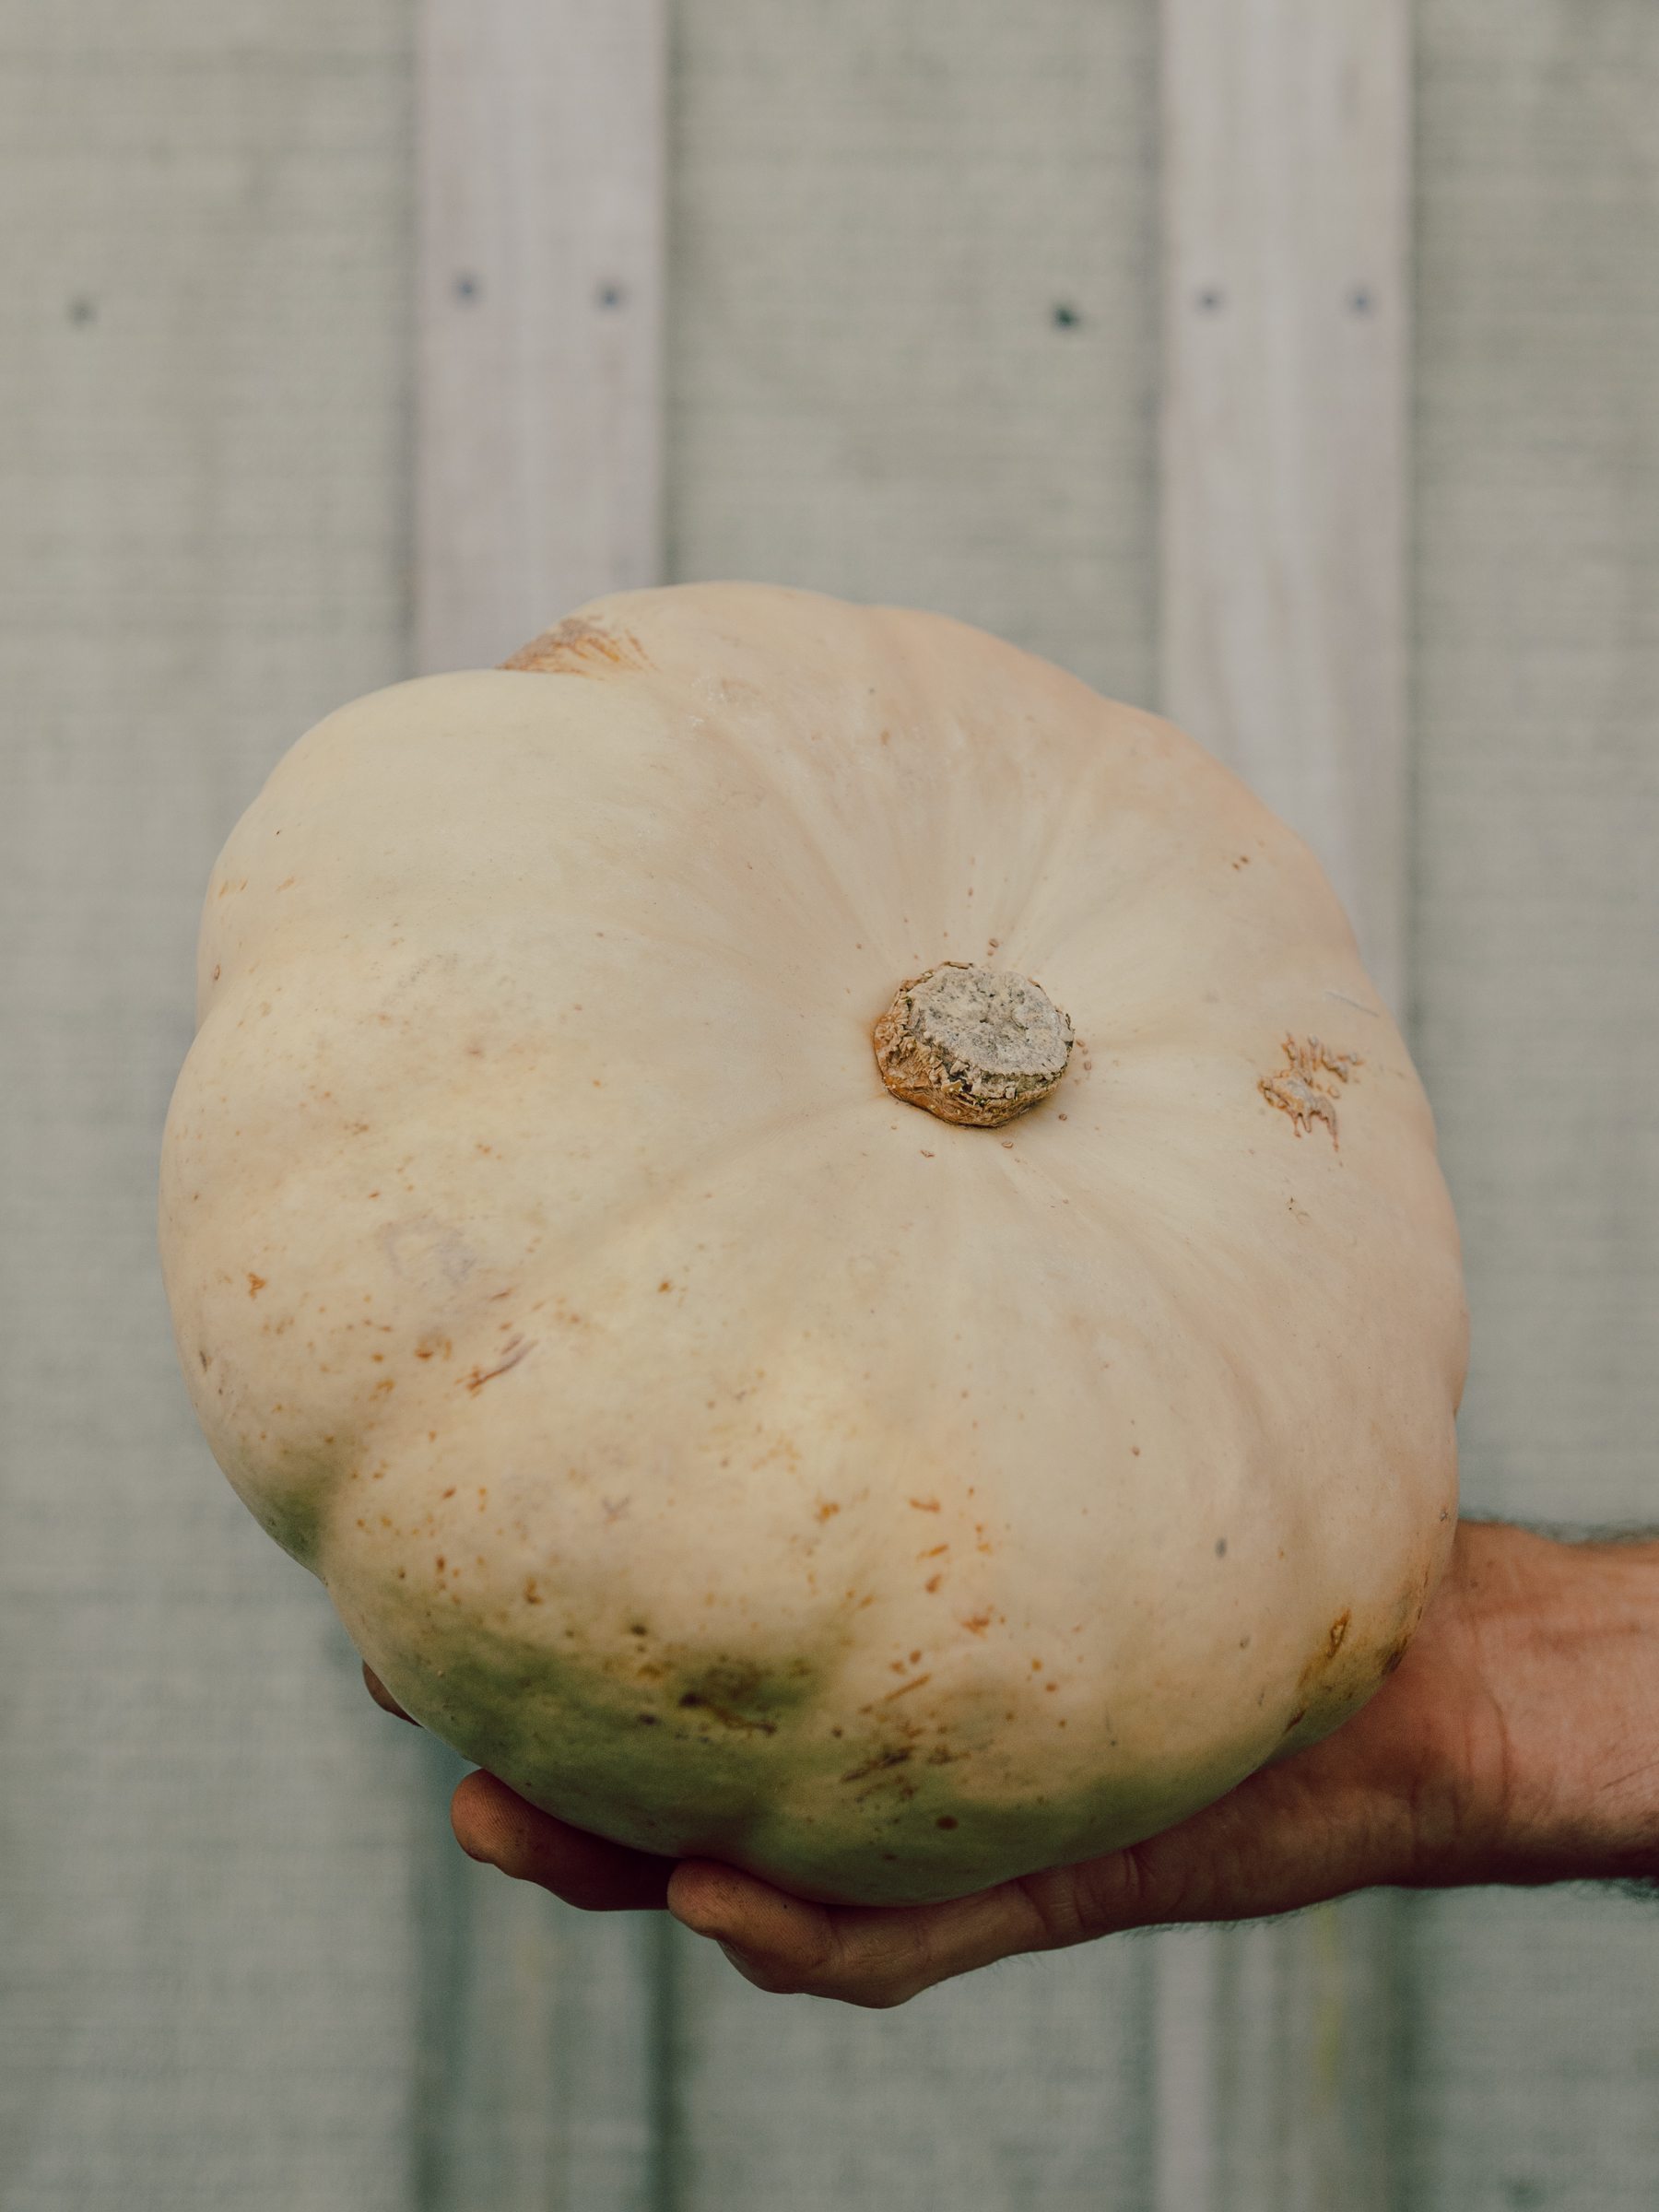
(972,1045)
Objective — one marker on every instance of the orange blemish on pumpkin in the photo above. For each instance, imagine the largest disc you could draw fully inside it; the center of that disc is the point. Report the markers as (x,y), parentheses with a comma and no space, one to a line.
(576,647)
(905,1687)
(1298,1089)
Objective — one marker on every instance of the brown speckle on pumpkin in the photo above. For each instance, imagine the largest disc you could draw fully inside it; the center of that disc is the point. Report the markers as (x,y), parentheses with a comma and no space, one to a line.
(513,1354)
(877,1763)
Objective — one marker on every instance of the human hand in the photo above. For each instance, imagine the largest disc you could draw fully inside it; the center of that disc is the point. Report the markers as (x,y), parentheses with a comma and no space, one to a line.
(1518,1741)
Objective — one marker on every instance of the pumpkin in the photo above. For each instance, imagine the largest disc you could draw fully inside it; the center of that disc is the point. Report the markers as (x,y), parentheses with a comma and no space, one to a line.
(733,1452)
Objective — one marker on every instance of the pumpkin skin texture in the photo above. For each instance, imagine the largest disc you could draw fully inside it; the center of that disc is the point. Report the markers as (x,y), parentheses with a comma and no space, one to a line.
(735,1459)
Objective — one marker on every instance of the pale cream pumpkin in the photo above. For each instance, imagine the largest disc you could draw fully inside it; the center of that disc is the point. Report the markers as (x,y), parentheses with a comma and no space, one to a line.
(735,1458)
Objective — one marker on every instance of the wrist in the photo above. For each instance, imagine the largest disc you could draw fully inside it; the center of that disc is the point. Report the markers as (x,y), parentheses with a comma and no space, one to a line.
(1561,1752)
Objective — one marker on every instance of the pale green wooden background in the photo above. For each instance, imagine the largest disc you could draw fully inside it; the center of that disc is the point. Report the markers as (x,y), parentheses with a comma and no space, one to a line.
(240,1968)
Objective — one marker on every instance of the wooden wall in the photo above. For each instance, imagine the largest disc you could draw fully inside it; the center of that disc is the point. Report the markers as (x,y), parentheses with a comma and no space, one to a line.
(1534,2027)
(208,1853)
(916,345)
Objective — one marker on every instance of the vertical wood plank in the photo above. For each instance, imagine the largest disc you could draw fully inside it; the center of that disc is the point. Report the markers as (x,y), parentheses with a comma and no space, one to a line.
(1287,154)
(914,312)
(1185,1962)
(539,269)
(206,1837)
(1286,192)
(546,2026)
(1275,2054)
(540,250)
(914,321)
(1533,2071)
(1024,2086)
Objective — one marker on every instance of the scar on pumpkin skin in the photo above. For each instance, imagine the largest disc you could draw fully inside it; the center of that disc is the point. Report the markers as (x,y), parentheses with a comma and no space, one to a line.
(515,1352)
(573,646)
(1297,1089)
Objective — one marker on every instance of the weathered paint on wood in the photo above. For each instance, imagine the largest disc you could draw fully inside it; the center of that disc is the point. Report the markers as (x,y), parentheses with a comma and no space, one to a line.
(546,2083)
(539,460)
(1532,2073)
(1026,2086)
(1286,318)
(912,328)
(540,241)
(207,1855)
(1287,179)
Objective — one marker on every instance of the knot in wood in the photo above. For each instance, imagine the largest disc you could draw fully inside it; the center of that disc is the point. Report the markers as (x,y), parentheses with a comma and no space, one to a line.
(971,1044)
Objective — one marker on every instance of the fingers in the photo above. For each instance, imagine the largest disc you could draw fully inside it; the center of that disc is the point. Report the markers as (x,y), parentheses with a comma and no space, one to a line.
(1280,1841)
(384,1697)
(494,1824)
(867,1954)
(1336,1817)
